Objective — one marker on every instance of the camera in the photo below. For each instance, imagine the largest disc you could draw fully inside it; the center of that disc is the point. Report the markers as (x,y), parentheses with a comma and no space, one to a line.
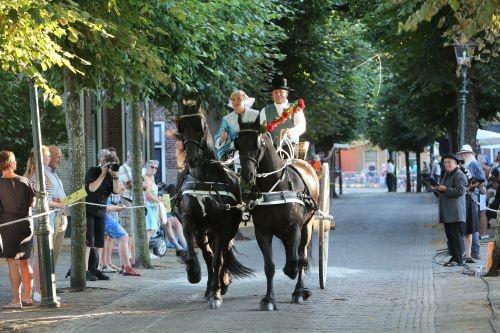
(112,163)
(112,166)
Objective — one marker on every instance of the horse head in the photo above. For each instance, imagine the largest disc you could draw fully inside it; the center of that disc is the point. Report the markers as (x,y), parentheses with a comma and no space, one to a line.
(192,127)
(251,143)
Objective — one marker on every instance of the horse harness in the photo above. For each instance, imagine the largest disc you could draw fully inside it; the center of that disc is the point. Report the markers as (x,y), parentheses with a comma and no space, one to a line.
(271,197)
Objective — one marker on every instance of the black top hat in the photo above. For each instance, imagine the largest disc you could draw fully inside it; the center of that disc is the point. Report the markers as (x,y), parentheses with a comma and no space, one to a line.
(279,82)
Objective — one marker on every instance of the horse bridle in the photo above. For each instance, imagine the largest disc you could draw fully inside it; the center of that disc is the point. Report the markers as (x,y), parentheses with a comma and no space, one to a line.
(261,143)
(198,143)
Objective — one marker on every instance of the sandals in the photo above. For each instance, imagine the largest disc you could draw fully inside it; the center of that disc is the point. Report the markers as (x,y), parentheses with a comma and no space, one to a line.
(130,272)
(12,306)
(27,302)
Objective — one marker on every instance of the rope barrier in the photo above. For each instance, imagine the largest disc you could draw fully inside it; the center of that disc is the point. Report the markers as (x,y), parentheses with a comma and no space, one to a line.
(27,218)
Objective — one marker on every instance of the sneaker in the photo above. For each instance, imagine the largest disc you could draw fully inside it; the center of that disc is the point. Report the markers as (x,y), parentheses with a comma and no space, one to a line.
(100,275)
(108,269)
(90,277)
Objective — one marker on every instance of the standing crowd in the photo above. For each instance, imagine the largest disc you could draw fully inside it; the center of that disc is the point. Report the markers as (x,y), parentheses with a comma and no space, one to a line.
(462,187)
(108,218)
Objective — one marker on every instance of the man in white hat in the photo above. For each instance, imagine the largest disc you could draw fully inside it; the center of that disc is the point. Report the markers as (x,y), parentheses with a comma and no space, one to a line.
(472,247)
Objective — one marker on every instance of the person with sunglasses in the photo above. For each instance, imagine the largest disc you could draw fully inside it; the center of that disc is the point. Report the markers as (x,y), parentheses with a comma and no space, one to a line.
(151,199)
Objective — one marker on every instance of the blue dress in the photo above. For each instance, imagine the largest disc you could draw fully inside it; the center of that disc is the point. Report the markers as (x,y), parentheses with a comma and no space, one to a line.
(230,125)
(151,208)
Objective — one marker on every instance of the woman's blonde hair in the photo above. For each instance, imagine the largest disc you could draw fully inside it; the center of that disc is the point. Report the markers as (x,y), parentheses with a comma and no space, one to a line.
(30,165)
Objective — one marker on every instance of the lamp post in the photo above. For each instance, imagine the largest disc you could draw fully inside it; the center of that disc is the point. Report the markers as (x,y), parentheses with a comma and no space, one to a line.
(463,52)
(42,231)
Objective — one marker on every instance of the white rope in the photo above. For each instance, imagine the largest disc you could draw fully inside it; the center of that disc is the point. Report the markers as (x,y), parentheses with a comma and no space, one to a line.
(285,156)
(482,206)
(27,218)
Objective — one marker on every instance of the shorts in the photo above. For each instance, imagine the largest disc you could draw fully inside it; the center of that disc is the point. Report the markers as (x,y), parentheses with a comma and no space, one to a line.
(95,231)
(113,229)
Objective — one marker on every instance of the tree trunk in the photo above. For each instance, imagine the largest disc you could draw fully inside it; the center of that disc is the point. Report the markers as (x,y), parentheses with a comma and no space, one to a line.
(408,175)
(140,234)
(76,145)
(419,172)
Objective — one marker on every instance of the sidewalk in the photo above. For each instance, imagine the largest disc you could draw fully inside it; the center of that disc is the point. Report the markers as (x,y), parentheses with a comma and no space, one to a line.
(100,297)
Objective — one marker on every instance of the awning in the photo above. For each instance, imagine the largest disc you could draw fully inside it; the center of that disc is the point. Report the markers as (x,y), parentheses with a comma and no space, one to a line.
(487,137)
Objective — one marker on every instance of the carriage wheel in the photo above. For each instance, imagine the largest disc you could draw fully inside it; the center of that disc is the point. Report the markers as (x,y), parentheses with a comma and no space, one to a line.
(324,225)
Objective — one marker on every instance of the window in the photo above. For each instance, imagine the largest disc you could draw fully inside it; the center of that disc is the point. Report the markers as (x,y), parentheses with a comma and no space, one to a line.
(159,150)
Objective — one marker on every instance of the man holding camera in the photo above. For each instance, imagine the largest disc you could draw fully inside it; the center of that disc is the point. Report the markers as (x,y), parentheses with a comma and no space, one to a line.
(100,182)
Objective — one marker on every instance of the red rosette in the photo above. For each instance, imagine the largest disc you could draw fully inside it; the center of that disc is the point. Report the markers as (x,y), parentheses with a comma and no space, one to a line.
(301,104)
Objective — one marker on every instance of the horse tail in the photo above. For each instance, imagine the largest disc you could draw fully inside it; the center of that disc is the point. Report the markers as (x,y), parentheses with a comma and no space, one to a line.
(234,267)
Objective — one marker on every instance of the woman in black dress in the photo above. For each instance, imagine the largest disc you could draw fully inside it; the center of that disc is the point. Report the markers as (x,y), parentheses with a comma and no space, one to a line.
(16,198)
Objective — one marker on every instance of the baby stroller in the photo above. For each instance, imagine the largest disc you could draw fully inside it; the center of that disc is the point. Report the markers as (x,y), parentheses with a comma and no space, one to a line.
(159,243)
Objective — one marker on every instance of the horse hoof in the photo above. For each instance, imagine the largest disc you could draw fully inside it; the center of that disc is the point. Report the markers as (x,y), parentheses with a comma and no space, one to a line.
(267,306)
(215,303)
(193,274)
(297,299)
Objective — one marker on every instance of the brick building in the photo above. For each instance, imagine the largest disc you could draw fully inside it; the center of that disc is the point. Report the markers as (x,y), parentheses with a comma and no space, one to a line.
(110,127)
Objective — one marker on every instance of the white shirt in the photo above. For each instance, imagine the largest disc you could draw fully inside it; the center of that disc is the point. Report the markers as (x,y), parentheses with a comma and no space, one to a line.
(125,176)
(390,168)
(299,120)
(57,191)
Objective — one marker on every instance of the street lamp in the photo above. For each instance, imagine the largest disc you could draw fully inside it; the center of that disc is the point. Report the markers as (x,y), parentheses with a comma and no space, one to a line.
(463,52)
(44,240)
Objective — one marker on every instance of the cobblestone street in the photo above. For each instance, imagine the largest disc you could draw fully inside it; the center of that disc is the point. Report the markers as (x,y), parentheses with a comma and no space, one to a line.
(381,279)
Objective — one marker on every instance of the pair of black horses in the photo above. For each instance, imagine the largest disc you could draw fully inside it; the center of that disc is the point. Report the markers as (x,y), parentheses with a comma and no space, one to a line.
(210,204)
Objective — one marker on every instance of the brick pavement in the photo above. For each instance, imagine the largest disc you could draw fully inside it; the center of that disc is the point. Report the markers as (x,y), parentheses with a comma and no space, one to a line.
(381,279)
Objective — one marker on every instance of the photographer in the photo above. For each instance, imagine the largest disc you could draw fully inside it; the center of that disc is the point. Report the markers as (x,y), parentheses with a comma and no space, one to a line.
(100,182)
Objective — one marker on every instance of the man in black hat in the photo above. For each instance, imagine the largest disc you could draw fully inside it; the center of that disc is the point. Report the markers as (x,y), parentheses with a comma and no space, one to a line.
(294,127)
(452,207)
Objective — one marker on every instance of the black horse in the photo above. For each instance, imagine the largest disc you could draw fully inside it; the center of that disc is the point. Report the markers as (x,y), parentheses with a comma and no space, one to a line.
(281,207)
(209,193)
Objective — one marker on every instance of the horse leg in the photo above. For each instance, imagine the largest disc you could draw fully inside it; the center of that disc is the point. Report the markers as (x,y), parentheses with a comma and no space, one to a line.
(291,244)
(191,260)
(265,244)
(215,296)
(204,245)
(301,293)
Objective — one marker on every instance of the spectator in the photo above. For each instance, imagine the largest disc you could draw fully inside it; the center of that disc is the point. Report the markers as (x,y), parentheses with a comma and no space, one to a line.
(58,195)
(100,182)
(452,212)
(426,172)
(126,219)
(151,199)
(472,246)
(16,198)
(316,164)
(114,230)
(30,174)
(436,168)
(389,176)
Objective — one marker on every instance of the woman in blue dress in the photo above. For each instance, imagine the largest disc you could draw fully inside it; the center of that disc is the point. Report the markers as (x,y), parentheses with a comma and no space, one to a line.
(224,139)
(151,199)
